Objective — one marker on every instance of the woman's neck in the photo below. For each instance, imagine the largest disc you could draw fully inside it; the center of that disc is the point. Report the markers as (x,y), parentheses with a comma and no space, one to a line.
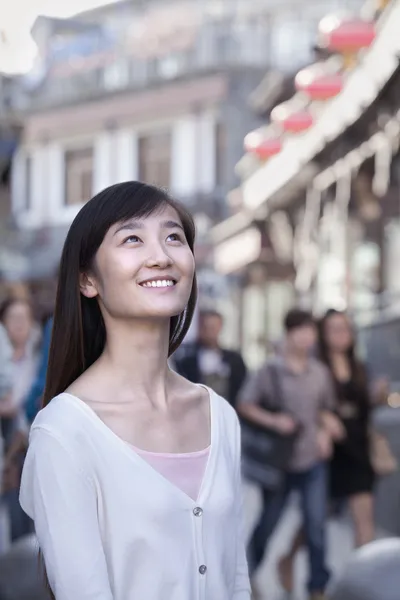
(340,365)
(296,359)
(136,356)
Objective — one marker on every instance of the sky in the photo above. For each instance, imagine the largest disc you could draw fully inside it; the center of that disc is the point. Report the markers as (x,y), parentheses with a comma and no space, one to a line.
(17,49)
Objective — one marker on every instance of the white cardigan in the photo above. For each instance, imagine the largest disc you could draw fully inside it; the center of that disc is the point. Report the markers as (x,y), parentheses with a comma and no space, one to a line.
(112,528)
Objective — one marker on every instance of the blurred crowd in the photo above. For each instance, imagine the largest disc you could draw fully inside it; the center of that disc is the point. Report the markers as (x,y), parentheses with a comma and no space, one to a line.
(313,396)
(24,347)
(312,401)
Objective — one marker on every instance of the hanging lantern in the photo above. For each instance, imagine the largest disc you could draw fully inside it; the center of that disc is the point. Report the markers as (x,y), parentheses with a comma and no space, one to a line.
(292,121)
(350,36)
(317,84)
(346,36)
(263,147)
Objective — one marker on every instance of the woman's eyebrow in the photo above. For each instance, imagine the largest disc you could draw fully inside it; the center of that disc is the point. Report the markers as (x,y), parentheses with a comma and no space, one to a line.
(171,225)
(130,225)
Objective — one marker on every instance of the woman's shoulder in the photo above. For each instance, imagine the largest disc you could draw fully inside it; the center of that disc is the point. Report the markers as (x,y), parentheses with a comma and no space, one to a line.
(61,417)
(224,410)
(218,405)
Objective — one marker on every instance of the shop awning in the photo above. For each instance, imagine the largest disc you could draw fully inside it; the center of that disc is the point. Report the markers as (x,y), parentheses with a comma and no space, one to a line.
(238,251)
(237,223)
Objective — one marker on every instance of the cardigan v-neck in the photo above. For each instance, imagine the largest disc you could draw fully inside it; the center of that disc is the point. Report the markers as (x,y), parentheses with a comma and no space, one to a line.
(137,457)
(112,528)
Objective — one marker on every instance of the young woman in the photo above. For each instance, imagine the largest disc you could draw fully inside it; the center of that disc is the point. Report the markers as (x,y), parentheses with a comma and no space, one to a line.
(351,472)
(132,475)
(17,318)
(352,475)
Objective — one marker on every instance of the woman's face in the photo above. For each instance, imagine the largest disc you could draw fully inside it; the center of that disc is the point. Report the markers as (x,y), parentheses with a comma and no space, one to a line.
(143,268)
(338,333)
(18,323)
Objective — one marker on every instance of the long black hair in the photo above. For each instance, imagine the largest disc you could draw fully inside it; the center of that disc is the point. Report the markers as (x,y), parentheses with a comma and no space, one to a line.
(357,369)
(79,334)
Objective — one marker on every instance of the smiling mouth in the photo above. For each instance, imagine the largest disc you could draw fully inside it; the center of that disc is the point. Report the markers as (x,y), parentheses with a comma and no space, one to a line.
(159,283)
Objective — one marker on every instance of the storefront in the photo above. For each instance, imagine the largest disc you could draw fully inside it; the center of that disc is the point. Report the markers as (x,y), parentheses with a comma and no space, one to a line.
(329,193)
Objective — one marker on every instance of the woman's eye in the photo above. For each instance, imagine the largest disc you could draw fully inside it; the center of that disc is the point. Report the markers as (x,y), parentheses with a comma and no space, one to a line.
(132,239)
(174,237)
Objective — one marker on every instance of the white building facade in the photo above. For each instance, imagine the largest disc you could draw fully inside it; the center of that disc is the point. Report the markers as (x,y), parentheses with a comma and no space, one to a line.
(53,178)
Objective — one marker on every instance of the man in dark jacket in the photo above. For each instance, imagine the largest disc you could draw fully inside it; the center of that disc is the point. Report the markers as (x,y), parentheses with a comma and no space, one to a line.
(206,362)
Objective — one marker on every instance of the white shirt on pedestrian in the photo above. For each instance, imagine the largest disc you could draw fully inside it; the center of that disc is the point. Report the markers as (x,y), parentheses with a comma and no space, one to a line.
(111,527)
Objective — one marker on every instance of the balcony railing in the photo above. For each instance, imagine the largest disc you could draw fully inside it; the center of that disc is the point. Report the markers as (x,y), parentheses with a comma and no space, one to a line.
(215,48)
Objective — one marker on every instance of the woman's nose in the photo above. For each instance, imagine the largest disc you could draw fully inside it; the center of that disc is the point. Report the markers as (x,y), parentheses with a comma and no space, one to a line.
(159,258)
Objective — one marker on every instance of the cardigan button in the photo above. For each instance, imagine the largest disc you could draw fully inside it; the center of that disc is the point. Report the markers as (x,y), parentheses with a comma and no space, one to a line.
(197,511)
(202,569)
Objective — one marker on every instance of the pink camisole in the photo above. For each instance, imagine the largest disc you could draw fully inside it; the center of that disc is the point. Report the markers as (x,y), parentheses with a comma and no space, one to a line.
(185,471)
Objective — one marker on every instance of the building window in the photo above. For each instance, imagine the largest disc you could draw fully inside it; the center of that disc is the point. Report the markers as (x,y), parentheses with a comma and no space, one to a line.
(78,176)
(116,75)
(155,159)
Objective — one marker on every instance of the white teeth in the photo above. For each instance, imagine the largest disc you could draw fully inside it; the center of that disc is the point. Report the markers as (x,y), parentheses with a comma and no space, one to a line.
(158,283)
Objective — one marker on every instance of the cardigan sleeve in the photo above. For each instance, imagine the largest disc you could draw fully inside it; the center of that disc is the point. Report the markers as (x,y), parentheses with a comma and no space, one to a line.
(61,500)
(242,583)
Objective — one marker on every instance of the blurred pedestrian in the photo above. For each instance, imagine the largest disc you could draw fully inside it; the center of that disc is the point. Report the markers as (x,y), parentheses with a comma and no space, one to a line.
(308,402)
(351,473)
(5,362)
(207,362)
(34,396)
(133,473)
(6,379)
(5,366)
(16,315)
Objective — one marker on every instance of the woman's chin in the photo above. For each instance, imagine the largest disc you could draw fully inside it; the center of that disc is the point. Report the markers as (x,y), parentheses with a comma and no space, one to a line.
(162,312)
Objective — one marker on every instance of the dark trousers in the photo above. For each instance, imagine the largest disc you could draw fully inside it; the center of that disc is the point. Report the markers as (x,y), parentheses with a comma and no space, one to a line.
(312,487)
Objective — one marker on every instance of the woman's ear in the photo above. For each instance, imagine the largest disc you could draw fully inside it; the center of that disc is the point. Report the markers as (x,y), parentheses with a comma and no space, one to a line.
(87,285)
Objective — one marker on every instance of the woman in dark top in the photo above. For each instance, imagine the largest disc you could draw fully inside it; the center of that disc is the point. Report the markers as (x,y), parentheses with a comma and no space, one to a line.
(351,473)
(352,476)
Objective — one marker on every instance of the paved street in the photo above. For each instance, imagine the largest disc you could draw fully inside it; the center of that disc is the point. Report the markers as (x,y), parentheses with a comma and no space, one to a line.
(340,545)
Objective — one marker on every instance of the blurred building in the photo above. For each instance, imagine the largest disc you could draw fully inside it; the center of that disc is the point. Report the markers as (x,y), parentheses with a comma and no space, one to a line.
(157,91)
(318,223)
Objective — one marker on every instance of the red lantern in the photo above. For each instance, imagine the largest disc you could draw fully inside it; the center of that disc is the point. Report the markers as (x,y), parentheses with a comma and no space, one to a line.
(349,37)
(256,143)
(317,84)
(294,121)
